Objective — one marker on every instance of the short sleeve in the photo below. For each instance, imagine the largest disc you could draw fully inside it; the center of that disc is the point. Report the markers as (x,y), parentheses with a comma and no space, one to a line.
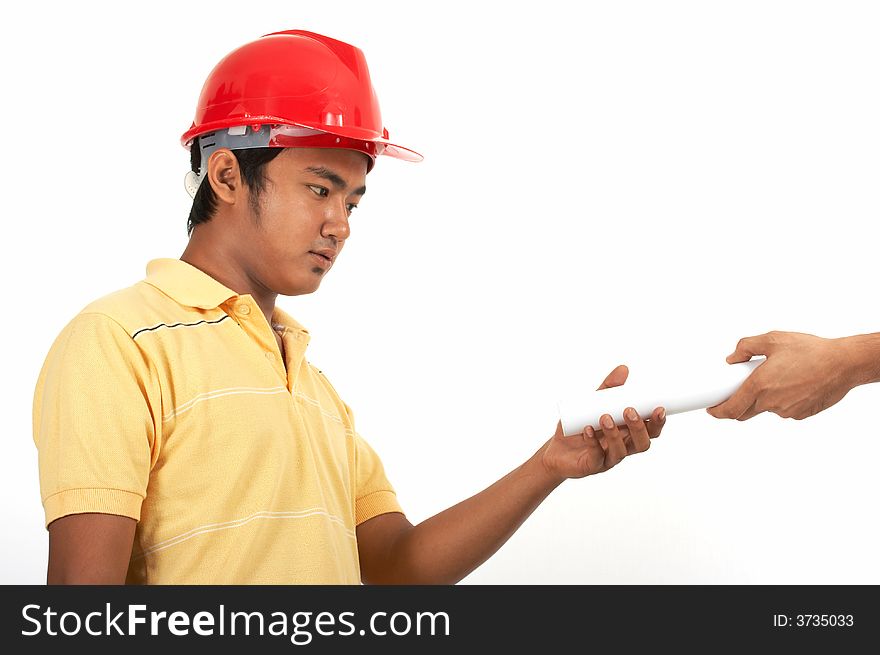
(96,419)
(374,494)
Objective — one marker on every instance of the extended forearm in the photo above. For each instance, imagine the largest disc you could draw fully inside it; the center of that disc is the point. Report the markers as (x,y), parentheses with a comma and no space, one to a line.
(863,357)
(446,547)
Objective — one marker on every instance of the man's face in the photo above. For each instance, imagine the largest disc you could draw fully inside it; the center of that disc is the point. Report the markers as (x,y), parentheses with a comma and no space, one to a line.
(305,207)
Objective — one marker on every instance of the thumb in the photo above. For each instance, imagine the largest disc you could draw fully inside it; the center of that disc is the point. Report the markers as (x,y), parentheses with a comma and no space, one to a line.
(616,377)
(748,347)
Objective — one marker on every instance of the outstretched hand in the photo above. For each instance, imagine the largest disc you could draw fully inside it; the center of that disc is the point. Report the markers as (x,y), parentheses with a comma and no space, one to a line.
(593,451)
(803,375)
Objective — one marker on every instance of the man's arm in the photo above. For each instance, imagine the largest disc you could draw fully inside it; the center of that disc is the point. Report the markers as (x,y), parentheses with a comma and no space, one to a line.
(90,549)
(864,357)
(448,546)
(803,375)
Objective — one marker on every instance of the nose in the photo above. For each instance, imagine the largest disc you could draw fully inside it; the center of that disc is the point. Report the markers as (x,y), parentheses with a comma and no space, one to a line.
(336,223)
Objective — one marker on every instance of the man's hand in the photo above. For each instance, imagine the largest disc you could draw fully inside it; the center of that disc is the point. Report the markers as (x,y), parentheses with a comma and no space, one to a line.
(591,451)
(803,375)
(449,545)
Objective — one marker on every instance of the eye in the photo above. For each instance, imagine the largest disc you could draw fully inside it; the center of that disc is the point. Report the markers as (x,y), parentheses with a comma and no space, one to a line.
(351,207)
(319,190)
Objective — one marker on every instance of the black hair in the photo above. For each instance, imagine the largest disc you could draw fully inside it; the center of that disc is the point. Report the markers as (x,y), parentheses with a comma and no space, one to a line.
(251,162)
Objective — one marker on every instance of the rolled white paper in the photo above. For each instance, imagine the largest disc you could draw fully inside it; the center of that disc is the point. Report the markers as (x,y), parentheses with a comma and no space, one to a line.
(711,387)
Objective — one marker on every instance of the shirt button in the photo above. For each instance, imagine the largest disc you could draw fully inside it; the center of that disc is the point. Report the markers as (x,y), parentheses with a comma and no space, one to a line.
(242,309)
(270,354)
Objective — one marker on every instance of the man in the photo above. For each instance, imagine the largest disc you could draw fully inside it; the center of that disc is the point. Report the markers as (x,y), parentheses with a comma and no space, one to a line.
(184,438)
(803,375)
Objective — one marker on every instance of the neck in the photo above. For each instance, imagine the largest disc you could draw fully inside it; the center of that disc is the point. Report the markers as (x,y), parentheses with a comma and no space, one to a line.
(226,266)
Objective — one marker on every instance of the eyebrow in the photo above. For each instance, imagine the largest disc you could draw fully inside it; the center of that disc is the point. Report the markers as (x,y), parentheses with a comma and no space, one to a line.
(334,178)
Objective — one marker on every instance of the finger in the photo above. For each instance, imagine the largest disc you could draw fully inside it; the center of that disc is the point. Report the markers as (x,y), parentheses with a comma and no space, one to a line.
(638,432)
(603,440)
(622,430)
(747,347)
(718,411)
(749,413)
(588,435)
(591,438)
(593,458)
(615,449)
(656,422)
(615,378)
(627,439)
(741,400)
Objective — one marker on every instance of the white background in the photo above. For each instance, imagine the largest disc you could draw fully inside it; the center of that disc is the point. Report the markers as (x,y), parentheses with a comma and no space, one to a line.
(604,183)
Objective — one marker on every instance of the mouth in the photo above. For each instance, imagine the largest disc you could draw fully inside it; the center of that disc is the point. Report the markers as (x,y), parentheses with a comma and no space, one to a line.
(323,260)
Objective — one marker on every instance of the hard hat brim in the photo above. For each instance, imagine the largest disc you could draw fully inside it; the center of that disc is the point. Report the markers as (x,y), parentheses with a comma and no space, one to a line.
(388,148)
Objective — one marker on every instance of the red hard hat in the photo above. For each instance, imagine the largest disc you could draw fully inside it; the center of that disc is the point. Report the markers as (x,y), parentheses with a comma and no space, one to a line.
(297,78)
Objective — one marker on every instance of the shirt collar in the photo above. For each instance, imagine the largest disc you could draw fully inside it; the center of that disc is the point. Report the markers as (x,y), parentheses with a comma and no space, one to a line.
(192,287)
(186,284)
(281,317)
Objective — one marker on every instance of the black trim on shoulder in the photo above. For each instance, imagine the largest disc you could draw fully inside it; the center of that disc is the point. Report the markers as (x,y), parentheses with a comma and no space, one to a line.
(156,327)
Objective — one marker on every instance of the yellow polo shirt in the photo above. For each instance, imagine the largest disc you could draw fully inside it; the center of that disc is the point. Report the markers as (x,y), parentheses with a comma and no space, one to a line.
(168,402)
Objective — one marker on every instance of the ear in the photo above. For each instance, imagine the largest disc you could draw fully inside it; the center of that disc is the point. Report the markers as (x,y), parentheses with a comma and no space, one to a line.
(224,176)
